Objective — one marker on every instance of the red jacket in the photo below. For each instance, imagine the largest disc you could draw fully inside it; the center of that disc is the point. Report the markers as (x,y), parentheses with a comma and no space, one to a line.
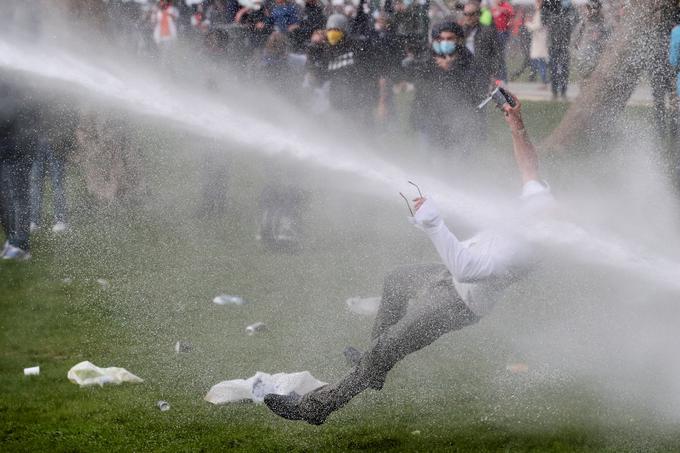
(502,15)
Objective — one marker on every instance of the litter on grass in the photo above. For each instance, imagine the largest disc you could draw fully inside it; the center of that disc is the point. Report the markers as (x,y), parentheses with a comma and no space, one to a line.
(103,283)
(226,299)
(32,371)
(86,374)
(183,347)
(258,327)
(256,387)
(517,368)
(367,306)
(163,406)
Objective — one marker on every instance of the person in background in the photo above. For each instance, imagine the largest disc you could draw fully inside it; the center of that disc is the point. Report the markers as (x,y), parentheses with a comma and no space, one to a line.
(557,17)
(388,53)
(164,17)
(674,60)
(18,139)
(312,18)
(590,37)
(284,16)
(662,79)
(482,42)
(523,38)
(539,45)
(256,20)
(472,276)
(56,139)
(502,17)
(343,63)
(447,95)
(410,22)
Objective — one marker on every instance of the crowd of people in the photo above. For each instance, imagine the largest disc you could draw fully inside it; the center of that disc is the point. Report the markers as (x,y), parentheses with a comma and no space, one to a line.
(345,57)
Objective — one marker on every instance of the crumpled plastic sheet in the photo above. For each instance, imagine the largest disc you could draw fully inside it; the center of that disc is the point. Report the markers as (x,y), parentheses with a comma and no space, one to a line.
(86,374)
(256,387)
(366,306)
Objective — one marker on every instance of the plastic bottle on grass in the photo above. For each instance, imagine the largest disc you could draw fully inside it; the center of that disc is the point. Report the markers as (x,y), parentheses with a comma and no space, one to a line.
(226,299)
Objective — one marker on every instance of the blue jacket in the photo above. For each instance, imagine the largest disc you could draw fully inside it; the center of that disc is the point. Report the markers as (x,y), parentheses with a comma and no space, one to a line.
(284,16)
(674,53)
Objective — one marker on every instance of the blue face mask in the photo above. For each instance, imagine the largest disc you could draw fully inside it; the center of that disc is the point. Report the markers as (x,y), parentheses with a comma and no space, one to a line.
(443,47)
(436,46)
(447,47)
(407,3)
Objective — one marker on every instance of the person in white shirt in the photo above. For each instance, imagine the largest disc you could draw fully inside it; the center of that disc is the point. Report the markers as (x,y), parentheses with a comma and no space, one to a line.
(164,18)
(458,292)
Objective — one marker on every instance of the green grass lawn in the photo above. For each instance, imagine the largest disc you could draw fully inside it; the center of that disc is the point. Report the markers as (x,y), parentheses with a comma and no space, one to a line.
(165,264)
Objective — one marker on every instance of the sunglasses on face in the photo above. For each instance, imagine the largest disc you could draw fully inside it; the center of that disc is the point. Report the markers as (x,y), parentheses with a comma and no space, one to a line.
(476,13)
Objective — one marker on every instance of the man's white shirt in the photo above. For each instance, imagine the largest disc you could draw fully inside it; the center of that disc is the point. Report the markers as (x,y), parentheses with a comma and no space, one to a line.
(483,266)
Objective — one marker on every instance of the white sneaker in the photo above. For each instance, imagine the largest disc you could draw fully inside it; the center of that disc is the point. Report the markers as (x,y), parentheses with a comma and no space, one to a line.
(60,227)
(34,227)
(16,254)
(4,249)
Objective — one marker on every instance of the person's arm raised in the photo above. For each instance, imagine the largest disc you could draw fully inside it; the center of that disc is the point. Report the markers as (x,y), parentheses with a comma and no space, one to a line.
(525,153)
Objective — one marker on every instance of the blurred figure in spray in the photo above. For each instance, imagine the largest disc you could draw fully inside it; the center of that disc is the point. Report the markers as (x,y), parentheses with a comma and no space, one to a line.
(56,140)
(411,22)
(538,52)
(388,53)
(258,24)
(18,139)
(312,18)
(558,16)
(342,64)
(590,37)
(445,106)
(503,14)
(674,60)
(164,20)
(215,164)
(482,41)
(281,201)
(473,276)
(285,16)
(662,79)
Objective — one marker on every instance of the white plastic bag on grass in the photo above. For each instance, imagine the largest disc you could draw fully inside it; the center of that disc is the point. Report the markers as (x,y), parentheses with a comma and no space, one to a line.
(256,387)
(85,373)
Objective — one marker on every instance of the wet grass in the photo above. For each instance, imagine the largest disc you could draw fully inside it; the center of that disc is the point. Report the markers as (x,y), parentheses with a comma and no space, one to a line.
(164,265)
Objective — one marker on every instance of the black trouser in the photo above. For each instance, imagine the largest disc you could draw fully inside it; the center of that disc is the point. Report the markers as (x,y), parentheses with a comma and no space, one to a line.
(559,67)
(397,332)
(15,205)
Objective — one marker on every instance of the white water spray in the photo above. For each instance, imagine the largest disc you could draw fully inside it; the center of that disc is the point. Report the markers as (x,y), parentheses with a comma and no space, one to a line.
(147,96)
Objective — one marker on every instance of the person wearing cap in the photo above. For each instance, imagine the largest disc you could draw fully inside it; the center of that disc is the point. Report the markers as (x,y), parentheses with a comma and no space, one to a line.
(444,110)
(458,292)
(343,62)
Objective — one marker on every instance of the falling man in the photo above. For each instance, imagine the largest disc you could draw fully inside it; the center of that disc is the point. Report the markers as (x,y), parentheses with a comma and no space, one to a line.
(457,293)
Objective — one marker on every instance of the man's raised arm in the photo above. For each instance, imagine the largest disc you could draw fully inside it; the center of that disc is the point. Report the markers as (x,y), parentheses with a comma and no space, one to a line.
(525,153)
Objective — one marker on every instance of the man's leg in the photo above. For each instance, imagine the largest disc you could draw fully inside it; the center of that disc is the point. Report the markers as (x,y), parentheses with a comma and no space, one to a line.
(400,286)
(57,169)
(20,176)
(37,183)
(444,312)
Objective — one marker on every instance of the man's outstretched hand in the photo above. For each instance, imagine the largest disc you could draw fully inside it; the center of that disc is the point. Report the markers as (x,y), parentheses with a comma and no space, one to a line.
(419,202)
(513,115)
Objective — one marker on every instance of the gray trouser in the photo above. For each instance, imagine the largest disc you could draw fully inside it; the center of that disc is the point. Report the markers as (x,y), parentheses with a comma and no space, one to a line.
(397,333)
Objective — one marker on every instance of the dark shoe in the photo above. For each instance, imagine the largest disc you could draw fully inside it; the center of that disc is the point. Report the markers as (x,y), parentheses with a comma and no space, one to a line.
(289,407)
(353,355)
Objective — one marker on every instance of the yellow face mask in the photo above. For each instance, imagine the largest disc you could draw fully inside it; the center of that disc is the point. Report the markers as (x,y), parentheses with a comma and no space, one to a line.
(334,36)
